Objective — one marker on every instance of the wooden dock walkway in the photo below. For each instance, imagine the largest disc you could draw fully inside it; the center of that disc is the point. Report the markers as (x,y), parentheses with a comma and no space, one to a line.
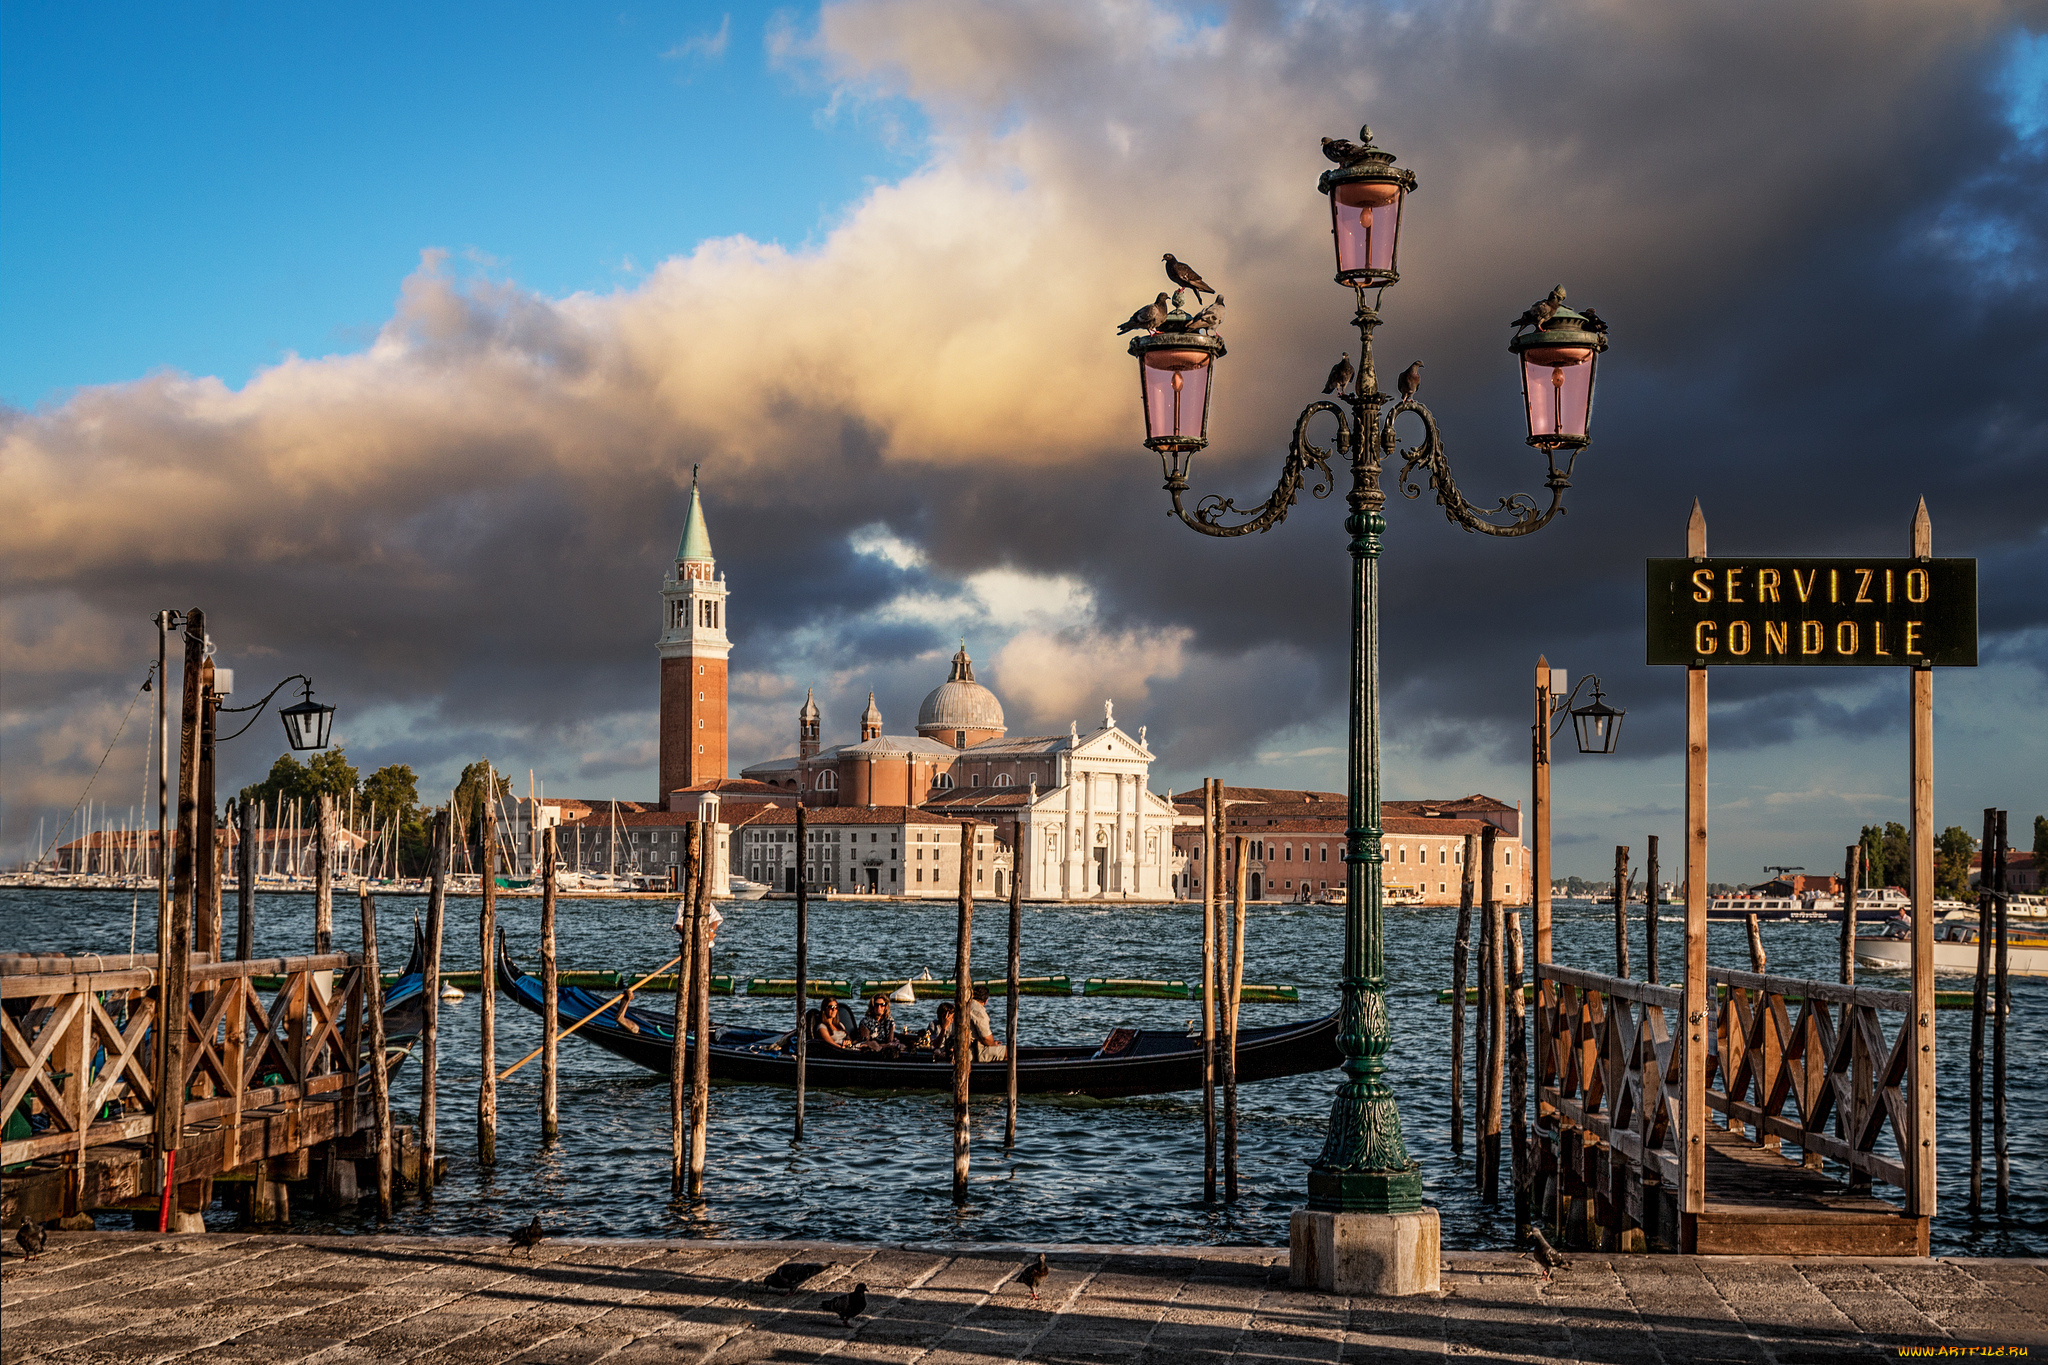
(465,1301)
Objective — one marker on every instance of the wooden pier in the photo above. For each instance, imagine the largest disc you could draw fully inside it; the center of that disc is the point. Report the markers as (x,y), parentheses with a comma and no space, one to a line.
(263,1087)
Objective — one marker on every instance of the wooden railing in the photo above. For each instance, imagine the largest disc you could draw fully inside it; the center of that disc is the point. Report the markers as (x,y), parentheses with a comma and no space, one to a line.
(78,1041)
(1826,1078)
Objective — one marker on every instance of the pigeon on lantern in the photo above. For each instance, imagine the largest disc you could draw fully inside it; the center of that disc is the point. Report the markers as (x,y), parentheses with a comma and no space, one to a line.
(1186,276)
(1147,318)
(1340,374)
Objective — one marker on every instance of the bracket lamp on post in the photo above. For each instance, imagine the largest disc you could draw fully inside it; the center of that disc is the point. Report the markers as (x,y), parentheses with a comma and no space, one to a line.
(1597,724)
(307,723)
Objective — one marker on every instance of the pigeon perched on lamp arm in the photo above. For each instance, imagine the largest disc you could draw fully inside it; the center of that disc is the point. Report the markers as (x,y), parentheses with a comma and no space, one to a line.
(1340,374)
(1185,275)
(31,1237)
(848,1306)
(1410,381)
(1594,324)
(1147,318)
(529,1236)
(791,1274)
(1538,314)
(1036,1274)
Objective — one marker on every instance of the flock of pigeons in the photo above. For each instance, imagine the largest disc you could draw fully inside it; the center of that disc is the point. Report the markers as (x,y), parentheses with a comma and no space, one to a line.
(1158,315)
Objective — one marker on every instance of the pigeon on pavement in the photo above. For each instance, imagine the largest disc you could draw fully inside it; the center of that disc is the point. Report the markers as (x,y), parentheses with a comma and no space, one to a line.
(31,1237)
(789,1275)
(1186,276)
(529,1236)
(1546,1255)
(1036,1274)
(848,1306)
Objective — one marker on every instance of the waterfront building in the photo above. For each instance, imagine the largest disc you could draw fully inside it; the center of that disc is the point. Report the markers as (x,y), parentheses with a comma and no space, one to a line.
(873,851)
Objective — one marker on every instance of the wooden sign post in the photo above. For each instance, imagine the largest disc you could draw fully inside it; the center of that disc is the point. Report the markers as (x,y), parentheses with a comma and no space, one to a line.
(1918,613)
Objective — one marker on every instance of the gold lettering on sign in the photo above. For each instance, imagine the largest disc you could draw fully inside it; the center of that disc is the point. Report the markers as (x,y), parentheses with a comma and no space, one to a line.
(1916,587)
(1845,637)
(1703,641)
(1738,637)
(1887,585)
(1834,585)
(1863,577)
(1767,585)
(1877,644)
(1734,582)
(1813,637)
(1703,585)
(1805,585)
(1776,634)
(1913,635)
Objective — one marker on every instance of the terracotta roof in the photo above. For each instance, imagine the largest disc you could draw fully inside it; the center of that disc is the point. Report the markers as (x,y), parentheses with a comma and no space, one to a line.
(1192,800)
(732,786)
(1292,821)
(1464,805)
(982,796)
(854,815)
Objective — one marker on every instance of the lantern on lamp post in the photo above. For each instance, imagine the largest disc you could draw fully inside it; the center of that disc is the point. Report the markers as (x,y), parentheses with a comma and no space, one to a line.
(1364,1168)
(1597,724)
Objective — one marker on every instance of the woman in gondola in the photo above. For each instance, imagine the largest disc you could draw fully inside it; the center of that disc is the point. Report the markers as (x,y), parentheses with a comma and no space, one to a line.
(938,1039)
(832,1028)
(879,1027)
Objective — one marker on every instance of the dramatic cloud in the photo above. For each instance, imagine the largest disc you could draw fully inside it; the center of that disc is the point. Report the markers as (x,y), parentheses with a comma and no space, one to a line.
(1815,229)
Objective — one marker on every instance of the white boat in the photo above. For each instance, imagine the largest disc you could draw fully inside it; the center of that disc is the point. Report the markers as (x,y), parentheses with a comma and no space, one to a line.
(1872,903)
(744,890)
(1955,949)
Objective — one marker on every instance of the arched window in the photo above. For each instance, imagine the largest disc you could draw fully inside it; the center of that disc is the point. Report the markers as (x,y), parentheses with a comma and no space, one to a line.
(1002,779)
(828,781)
(943,781)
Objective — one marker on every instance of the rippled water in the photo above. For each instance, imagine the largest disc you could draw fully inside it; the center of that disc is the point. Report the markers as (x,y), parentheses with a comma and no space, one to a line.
(877,1166)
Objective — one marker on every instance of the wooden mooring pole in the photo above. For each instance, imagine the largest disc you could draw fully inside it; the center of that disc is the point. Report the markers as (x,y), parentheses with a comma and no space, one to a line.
(245,880)
(550,993)
(430,988)
(487,976)
(174,997)
(1693,1021)
(1650,895)
(1461,947)
(1010,1001)
(2000,1154)
(679,1046)
(803,969)
(963,996)
(1757,959)
(1521,1166)
(1495,992)
(1621,911)
(1233,960)
(1852,877)
(380,1077)
(1919,1097)
(1212,824)
(1986,912)
(699,969)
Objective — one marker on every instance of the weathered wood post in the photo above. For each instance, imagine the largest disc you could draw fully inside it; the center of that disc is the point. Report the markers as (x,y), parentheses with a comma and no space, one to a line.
(1521,1166)
(699,967)
(206,854)
(1694,1023)
(174,998)
(550,993)
(323,880)
(963,998)
(487,956)
(1233,988)
(803,968)
(1010,1005)
(679,1046)
(1496,1022)
(380,1078)
(1461,947)
(1987,911)
(1757,959)
(1999,1152)
(245,881)
(1621,910)
(1212,823)
(430,988)
(1650,897)
(1920,1195)
(1852,877)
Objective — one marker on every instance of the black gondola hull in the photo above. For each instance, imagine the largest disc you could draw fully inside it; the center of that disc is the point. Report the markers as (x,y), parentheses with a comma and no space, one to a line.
(1155,1063)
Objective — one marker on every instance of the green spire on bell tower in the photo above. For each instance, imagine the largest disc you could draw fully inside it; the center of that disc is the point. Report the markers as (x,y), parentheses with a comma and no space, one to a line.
(696,543)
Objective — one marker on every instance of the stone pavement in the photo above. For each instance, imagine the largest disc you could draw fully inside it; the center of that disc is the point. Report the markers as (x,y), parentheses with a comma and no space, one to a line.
(133,1297)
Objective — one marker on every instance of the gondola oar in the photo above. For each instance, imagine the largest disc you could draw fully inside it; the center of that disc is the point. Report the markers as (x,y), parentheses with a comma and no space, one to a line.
(592,1015)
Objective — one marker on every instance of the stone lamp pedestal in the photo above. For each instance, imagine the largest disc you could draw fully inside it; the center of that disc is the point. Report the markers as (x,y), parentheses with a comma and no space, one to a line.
(1389,1254)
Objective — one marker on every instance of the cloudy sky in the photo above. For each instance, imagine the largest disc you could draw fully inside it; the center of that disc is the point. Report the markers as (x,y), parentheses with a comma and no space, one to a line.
(390,335)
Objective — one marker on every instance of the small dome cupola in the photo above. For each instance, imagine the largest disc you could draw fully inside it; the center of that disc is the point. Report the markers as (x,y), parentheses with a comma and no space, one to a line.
(960,711)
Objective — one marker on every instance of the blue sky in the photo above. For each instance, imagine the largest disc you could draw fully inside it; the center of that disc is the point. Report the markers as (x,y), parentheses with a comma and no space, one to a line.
(210,186)
(502,242)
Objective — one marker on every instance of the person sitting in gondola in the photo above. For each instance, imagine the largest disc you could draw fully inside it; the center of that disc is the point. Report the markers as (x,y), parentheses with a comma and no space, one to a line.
(938,1038)
(879,1027)
(832,1025)
(980,1032)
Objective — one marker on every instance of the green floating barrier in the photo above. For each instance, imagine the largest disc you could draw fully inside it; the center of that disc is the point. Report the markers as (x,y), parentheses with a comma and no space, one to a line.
(816,989)
(1133,988)
(1272,995)
(1443,997)
(943,989)
(720,985)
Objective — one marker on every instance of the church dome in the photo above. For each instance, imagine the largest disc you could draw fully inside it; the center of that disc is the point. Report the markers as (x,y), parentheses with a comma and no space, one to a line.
(960,703)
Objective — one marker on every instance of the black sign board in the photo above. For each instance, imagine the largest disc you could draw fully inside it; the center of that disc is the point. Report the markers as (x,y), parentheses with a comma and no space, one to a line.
(1706,613)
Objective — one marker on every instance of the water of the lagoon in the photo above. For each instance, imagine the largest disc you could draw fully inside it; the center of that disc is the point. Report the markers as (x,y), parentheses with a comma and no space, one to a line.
(879,1166)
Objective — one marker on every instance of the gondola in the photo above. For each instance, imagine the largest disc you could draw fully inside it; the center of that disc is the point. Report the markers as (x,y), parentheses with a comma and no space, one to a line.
(1128,1062)
(405,1005)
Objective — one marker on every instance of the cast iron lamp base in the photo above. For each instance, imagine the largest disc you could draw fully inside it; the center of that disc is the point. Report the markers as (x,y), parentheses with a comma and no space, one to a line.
(1387,1254)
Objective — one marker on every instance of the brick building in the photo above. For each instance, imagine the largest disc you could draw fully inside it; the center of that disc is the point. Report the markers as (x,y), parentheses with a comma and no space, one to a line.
(694,650)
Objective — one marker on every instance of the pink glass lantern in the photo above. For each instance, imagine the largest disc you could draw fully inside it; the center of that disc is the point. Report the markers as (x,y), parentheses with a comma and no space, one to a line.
(1366,195)
(1558,364)
(1175,370)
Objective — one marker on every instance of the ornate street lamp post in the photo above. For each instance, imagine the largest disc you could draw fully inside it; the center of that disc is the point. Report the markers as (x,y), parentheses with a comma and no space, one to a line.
(1365,1230)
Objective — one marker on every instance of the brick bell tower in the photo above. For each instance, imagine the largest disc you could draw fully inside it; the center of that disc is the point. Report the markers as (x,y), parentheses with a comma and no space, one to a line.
(693,651)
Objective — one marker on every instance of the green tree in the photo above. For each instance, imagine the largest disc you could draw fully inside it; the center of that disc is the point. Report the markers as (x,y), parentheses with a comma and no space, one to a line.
(469,797)
(393,790)
(2040,842)
(1872,840)
(1898,853)
(289,780)
(1953,853)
